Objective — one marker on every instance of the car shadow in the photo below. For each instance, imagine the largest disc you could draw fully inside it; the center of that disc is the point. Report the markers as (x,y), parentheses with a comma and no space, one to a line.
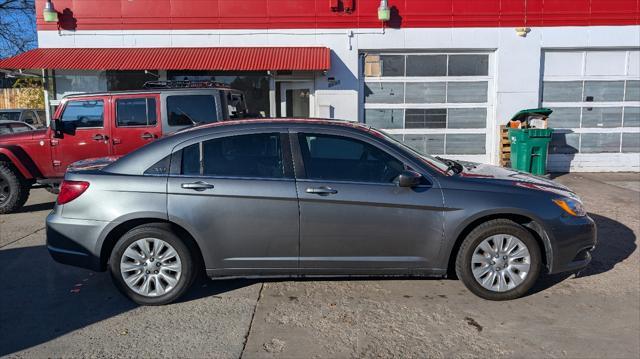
(42,300)
(616,242)
(45,206)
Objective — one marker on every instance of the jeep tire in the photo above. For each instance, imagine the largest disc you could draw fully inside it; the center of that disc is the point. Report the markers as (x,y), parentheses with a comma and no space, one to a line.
(14,189)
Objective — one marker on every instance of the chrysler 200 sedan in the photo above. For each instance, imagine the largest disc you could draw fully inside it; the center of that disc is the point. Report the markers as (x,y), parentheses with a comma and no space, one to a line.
(311,198)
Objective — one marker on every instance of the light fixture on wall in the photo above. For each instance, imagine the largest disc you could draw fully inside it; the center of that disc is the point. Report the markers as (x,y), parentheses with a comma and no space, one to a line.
(384,13)
(523,31)
(49,13)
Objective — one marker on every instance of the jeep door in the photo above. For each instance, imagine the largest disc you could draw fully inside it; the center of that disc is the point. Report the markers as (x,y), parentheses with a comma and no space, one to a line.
(135,122)
(85,133)
(236,194)
(354,218)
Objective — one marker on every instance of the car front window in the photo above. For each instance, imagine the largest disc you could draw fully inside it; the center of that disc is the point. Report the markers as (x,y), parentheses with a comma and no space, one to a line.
(84,114)
(338,158)
(429,160)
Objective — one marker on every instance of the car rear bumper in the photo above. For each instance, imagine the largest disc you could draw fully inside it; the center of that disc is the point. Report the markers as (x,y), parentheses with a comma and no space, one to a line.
(573,241)
(72,241)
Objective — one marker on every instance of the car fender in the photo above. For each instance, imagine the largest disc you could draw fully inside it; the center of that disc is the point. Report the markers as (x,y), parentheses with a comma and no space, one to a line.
(537,225)
(21,160)
(129,218)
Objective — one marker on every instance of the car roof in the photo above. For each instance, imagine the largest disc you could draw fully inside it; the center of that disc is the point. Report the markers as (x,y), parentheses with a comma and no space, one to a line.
(150,90)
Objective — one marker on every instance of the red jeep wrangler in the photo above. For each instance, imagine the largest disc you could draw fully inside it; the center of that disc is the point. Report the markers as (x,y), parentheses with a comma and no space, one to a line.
(106,124)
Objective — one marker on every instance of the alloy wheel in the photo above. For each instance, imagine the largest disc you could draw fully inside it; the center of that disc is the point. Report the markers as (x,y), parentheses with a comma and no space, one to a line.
(151,267)
(500,262)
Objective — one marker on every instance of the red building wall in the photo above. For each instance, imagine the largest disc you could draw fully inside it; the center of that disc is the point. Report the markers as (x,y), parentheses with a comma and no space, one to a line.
(288,14)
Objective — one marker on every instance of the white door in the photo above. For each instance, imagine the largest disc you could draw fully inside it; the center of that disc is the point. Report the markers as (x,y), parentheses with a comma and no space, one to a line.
(297,99)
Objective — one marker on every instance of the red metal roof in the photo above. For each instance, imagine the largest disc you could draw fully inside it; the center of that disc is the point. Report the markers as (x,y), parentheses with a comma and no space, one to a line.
(207,58)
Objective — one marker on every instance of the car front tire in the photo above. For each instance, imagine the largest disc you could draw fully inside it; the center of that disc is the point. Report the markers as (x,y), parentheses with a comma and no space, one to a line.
(499,260)
(151,265)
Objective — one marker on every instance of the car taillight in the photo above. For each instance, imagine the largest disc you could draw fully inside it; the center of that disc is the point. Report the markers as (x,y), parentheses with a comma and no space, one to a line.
(70,190)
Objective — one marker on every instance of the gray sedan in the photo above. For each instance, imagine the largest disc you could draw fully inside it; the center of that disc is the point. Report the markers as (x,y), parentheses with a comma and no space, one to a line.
(311,198)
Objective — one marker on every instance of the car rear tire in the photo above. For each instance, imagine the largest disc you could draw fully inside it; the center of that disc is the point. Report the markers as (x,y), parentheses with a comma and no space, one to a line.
(14,190)
(151,265)
(499,260)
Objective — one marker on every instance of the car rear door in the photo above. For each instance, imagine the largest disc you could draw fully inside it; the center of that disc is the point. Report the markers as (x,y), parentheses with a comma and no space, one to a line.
(135,122)
(85,133)
(236,194)
(353,217)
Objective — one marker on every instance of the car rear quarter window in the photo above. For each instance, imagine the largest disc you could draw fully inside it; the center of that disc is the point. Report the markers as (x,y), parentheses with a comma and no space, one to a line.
(339,158)
(84,113)
(136,112)
(186,110)
(247,156)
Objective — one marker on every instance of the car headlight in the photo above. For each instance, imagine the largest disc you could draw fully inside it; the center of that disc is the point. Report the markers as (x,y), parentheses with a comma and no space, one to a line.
(572,206)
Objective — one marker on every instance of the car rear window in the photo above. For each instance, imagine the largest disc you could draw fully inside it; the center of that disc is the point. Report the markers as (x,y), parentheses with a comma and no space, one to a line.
(187,110)
(136,112)
(250,156)
(10,116)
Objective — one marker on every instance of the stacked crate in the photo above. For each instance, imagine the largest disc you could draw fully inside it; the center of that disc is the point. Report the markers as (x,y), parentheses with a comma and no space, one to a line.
(505,147)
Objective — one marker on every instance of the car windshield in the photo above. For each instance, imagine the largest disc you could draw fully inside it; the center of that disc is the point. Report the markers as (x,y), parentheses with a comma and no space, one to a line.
(10,116)
(430,160)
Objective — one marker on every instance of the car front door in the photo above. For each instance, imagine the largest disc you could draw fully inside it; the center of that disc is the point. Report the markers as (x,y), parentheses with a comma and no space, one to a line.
(85,133)
(236,194)
(353,217)
(136,121)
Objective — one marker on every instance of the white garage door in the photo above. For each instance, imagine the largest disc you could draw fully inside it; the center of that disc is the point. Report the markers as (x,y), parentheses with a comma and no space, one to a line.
(437,103)
(595,96)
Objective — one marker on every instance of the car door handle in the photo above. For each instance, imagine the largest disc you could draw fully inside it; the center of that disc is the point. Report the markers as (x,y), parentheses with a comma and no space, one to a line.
(147,136)
(100,137)
(197,186)
(321,191)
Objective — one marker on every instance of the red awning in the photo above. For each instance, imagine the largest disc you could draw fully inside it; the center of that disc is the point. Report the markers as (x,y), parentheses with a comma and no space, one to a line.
(179,58)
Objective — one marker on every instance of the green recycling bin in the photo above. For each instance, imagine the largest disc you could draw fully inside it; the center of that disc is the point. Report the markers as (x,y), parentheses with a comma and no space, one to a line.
(529,149)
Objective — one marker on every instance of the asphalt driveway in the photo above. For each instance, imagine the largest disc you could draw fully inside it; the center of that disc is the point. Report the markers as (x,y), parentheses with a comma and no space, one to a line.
(51,310)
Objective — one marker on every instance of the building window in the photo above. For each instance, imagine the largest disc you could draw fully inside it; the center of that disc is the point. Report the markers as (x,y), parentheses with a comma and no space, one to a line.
(128,80)
(595,95)
(437,103)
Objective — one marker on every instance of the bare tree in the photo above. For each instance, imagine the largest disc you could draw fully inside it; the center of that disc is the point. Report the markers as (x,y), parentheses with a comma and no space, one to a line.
(17,26)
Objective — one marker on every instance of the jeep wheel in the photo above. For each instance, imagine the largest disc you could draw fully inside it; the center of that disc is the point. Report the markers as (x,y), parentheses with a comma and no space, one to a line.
(14,190)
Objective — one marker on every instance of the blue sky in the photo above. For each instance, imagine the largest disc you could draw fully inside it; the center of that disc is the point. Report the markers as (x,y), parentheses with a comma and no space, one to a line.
(18,25)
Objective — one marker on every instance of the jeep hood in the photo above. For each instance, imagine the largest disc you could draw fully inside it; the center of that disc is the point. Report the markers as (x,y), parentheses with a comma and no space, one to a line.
(23,136)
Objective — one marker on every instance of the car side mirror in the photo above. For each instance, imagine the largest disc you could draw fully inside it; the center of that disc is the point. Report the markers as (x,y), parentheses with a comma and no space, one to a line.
(56,127)
(409,179)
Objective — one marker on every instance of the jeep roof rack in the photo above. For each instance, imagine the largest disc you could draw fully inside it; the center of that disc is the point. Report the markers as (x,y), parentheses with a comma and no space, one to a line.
(176,84)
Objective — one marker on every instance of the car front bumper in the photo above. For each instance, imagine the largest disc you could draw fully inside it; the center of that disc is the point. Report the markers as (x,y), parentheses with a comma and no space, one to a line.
(574,238)
(73,241)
